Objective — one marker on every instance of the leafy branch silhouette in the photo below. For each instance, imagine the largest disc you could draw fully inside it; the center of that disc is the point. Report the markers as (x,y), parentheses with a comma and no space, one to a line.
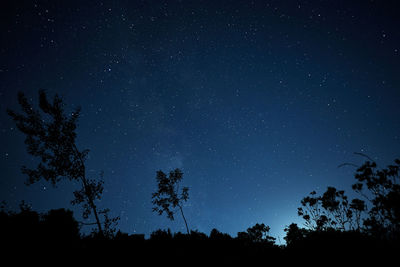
(51,137)
(168,197)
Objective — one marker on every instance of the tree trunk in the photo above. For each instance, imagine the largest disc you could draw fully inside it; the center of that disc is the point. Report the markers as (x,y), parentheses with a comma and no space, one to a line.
(183,216)
(97,218)
(92,205)
(88,195)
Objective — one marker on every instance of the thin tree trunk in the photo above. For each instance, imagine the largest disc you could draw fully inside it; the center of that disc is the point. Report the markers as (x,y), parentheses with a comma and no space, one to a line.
(183,216)
(88,195)
(92,205)
(97,218)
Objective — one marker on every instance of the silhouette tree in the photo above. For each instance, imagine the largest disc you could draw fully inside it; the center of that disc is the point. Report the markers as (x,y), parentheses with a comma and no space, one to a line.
(52,138)
(294,234)
(381,187)
(218,236)
(312,213)
(257,234)
(358,207)
(168,197)
(337,205)
(331,210)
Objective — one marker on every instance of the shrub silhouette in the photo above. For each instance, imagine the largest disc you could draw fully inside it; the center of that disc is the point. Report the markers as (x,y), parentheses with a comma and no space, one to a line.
(218,236)
(60,225)
(30,230)
(161,235)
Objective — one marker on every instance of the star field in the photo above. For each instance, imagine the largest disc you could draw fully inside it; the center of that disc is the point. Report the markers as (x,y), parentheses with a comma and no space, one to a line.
(257,102)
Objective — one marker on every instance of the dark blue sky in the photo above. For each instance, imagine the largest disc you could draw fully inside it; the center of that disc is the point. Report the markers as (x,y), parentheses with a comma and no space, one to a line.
(257,102)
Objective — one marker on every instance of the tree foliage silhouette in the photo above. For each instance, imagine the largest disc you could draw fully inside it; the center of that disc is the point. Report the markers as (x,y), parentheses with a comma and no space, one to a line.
(294,234)
(381,188)
(257,234)
(168,197)
(380,218)
(51,137)
(331,210)
(218,236)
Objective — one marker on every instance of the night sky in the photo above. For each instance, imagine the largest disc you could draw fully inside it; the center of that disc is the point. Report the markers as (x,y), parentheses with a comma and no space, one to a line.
(258,102)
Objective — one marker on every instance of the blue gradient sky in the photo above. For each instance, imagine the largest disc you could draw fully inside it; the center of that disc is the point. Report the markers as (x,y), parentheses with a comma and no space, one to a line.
(257,102)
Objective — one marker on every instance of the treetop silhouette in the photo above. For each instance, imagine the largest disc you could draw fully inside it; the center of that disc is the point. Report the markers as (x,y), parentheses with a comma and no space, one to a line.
(168,197)
(378,215)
